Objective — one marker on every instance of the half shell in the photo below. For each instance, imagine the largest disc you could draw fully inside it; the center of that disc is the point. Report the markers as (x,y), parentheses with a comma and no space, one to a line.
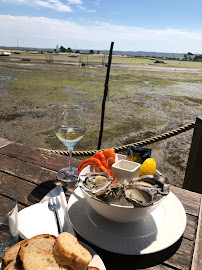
(95,182)
(139,195)
(157,182)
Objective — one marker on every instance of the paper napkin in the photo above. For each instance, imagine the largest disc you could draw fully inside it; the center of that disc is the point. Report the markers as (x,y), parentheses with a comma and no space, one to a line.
(38,219)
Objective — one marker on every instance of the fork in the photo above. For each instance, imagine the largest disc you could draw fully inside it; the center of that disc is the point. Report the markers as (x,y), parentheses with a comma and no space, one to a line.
(54,205)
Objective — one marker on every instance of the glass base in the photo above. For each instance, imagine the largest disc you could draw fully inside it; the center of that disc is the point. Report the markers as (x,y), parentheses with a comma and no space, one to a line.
(67,176)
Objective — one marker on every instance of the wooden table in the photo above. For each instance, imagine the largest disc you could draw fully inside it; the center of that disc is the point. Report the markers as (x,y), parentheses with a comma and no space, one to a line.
(31,173)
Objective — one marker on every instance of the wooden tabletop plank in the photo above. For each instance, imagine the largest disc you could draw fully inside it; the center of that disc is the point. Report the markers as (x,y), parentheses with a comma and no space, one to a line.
(28,171)
(177,256)
(182,258)
(191,227)
(197,257)
(20,187)
(38,156)
(190,200)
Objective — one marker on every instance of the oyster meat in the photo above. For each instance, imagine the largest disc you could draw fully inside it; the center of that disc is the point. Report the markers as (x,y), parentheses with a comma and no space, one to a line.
(139,195)
(157,182)
(95,183)
(142,191)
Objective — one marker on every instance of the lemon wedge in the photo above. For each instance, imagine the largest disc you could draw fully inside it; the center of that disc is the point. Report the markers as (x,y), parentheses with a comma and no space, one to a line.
(148,167)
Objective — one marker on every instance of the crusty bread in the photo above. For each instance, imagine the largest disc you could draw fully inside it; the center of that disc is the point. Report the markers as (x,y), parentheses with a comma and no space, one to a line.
(13,266)
(43,241)
(68,251)
(35,258)
(46,252)
(11,254)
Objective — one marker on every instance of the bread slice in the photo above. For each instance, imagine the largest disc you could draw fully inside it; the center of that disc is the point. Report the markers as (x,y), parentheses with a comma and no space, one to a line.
(42,241)
(35,258)
(68,251)
(11,254)
(13,266)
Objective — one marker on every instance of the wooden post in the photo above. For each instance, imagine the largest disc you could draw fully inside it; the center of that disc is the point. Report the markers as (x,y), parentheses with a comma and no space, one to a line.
(105,96)
(193,174)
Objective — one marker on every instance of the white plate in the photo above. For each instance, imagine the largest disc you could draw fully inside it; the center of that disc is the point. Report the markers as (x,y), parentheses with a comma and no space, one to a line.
(155,232)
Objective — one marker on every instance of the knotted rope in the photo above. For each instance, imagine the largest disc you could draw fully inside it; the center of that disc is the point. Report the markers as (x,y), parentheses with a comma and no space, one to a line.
(154,139)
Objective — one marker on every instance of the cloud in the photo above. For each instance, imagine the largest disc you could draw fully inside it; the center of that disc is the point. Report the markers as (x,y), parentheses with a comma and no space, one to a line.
(53,4)
(56,5)
(96,2)
(85,9)
(47,33)
(77,2)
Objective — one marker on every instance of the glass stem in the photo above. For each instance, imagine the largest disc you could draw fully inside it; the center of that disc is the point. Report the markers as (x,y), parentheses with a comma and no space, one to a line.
(70,149)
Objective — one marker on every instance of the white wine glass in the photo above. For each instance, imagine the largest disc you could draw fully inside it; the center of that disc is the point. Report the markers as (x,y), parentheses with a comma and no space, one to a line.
(70,129)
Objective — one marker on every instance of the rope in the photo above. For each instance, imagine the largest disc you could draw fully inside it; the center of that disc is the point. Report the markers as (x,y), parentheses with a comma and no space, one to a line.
(154,139)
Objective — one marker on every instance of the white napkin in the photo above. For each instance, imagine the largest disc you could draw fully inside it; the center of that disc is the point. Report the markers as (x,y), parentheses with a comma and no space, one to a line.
(38,219)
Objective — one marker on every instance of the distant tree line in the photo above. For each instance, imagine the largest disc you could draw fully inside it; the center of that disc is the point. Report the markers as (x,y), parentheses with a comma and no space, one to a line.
(189,56)
(63,49)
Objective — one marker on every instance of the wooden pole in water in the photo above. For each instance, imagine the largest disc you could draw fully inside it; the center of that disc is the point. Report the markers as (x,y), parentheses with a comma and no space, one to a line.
(105,95)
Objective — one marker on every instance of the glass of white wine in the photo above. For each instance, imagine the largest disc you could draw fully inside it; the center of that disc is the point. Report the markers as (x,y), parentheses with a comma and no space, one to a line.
(70,129)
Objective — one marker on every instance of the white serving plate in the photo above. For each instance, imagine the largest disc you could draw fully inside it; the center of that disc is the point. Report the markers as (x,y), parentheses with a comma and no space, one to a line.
(157,231)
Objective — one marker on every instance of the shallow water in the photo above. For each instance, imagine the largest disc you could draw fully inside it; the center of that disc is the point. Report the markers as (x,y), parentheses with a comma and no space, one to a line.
(3,82)
(130,66)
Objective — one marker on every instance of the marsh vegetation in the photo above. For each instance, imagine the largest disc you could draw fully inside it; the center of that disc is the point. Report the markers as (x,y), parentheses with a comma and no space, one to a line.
(145,99)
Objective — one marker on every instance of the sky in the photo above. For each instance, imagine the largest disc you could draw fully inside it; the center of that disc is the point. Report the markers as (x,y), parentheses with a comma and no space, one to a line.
(173,26)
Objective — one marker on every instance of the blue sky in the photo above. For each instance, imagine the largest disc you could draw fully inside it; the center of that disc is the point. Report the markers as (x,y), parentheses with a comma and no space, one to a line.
(133,25)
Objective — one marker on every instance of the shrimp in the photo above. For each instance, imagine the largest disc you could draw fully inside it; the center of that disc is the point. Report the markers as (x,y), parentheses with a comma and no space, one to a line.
(95,163)
(109,157)
(101,157)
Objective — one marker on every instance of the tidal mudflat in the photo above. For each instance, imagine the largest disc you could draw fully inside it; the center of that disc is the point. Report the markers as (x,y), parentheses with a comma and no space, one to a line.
(145,99)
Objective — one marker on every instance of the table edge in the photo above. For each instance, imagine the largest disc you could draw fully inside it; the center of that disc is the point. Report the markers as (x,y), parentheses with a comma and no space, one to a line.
(197,260)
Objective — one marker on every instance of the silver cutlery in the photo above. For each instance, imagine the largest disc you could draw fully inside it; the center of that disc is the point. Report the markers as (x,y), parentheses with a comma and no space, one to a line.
(54,205)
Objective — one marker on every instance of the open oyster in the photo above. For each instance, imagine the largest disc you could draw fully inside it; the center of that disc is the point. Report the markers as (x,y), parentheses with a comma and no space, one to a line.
(142,191)
(145,190)
(139,195)
(95,183)
(157,182)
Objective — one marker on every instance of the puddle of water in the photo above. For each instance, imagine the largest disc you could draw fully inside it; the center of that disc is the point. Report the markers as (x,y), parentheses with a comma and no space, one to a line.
(69,63)
(13,59)
(148,83)
(3,81)
(162,69)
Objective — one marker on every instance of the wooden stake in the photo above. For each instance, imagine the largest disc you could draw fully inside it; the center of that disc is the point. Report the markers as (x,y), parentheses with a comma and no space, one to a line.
(105,96)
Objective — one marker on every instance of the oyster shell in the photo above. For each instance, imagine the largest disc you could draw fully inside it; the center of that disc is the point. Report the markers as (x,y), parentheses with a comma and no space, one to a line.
(142,191)
(112,194)
(95,183)
(157,182)
(139,195)
(145,190)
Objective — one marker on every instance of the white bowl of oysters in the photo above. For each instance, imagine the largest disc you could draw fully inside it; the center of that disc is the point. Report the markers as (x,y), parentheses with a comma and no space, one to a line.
(126,201)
